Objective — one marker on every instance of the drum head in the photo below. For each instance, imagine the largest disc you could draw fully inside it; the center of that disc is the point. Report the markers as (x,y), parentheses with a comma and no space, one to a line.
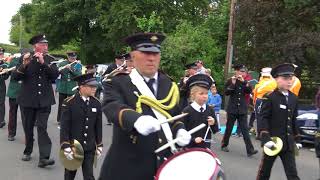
(193,164)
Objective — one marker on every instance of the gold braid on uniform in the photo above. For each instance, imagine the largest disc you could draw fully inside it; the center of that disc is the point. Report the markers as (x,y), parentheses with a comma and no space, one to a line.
(158,105)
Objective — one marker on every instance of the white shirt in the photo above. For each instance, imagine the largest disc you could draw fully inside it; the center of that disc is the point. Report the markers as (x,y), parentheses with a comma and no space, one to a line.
(155,84)
(85,98)
(197,107)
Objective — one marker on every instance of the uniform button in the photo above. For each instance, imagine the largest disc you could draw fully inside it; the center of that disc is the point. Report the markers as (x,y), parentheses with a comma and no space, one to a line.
(288,126)
(158,158)
(84,142)
(39,77)
(288,134)
(239,93)
(238,104)
(85,134)
(40,69)
(289,110)
(289,118)
(39,85)
(239,98)
(160,140)
(87,119)
(86,127)
(39,92)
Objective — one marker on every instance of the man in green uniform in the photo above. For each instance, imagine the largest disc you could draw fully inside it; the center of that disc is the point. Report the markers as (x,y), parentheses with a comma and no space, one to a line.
(68,70)
(13,90)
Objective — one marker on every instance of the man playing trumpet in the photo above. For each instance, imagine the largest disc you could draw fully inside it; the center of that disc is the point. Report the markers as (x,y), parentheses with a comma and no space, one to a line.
(68,70)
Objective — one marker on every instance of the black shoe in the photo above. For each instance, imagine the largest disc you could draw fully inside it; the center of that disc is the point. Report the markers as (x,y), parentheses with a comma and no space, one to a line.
(252,153)
(225,149)
(11,138)
(109,124)
(45,162)
(26,157)
(2,124)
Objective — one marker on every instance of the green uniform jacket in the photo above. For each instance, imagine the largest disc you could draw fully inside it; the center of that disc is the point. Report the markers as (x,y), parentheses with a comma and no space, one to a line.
(14,86)
(66,84)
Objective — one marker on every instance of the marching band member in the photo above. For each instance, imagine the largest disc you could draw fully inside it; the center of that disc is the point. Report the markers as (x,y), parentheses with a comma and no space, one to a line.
(13,91)
(68,70)
(265,85)
(137,132)
(191,69)
(3,77)
(36,97)
(199,112)
(236,87)
(81,119)
(278,119)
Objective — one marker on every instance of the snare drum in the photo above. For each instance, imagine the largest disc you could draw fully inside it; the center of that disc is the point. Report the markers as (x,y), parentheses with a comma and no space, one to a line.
(191,164)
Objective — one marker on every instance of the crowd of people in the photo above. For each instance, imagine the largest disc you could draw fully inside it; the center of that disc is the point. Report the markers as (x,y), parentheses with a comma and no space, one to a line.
(140,102)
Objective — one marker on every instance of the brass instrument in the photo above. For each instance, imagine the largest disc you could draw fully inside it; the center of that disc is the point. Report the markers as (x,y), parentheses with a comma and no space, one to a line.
(65,66)
(4,71)
(78,156)
(274,150)
(114,72)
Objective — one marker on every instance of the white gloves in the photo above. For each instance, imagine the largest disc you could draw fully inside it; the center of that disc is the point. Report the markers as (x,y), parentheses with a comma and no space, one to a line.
(146,125)
(184,137)
(270,144)
(299,146)
(68,153)
(99,152)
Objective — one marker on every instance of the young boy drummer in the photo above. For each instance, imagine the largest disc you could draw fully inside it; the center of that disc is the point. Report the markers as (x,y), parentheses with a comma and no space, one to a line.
(82,120)
(278,119)
(199,112)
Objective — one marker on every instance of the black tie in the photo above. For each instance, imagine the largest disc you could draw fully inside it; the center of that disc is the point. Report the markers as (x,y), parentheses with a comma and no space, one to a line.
(201,109)
(150,84)
(87,102)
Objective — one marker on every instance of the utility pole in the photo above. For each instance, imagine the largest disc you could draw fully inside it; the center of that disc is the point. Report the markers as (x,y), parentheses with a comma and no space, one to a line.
(229,54)
(20,34)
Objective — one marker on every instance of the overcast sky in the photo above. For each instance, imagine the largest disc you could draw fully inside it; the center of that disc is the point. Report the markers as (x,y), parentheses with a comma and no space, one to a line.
(8,9)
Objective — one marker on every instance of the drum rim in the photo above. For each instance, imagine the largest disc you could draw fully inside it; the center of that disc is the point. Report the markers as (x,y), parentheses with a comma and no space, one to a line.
(209,151)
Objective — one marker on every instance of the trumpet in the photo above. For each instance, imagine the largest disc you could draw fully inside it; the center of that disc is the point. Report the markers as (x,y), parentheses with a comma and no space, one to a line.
(114,72)
(4,71)
(67,65)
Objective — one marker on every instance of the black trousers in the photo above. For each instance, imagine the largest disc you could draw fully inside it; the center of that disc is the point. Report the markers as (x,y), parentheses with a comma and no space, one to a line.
(62,97)
(251,120)
(288,161)
(243,124)
(2,104)
(13,110)
(44,141)
(87,168)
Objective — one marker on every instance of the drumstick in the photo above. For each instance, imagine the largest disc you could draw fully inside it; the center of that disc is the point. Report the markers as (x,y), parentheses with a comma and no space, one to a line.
(173,118)
(205,136)
(195,129)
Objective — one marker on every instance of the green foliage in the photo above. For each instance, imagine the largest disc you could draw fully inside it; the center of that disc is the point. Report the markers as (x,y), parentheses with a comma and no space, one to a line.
(10,48)
(153,24)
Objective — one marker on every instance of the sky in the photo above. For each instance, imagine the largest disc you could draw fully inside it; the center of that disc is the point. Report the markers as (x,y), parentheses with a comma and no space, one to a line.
(8,9)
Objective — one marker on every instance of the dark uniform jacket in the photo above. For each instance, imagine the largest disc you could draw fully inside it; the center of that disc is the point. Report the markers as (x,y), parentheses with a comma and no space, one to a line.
(131,155)
(66,84)
(195,118)
(36,89)
(3,77)
(81,122)
(184,94)
(14,86)
(278,118)
(237,102)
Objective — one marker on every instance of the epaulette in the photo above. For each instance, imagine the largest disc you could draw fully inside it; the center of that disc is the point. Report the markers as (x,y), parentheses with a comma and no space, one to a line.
(69,98)
(96,99)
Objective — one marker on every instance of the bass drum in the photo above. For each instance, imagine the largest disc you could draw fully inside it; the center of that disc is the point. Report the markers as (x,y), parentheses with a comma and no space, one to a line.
(191,164)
